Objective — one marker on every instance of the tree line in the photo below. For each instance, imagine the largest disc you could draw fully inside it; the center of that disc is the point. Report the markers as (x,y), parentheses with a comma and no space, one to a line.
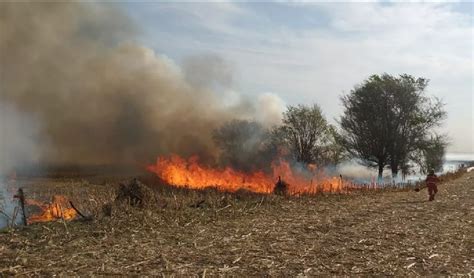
(387,122)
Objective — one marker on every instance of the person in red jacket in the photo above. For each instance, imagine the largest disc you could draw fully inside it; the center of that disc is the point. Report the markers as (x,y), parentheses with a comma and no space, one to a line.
(431,181)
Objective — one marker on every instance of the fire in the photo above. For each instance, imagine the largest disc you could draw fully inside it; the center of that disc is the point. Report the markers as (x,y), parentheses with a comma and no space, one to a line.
(57,209)
(189,173)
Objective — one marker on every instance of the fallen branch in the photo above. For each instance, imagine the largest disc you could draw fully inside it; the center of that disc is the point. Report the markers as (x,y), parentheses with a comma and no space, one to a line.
(137,264)
(15,213)
(10,268)
(6,215)
(78,212)
(21,199)
(223,208)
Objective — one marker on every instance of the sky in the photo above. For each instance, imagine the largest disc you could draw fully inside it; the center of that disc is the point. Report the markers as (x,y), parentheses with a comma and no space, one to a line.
(304,53)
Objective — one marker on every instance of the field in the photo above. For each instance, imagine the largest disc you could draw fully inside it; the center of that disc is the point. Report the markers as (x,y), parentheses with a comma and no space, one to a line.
(210,233)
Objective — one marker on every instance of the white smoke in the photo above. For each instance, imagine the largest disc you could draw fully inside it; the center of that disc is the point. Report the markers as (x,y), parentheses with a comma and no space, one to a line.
(19,142)
(354,170)
(270,108)
(18,145)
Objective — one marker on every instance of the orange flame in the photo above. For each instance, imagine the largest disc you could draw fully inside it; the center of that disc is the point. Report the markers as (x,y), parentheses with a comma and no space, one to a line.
(59,208)
(189,173)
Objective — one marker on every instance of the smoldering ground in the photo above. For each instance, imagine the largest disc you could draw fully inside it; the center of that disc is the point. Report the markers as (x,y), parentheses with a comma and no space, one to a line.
(96,96)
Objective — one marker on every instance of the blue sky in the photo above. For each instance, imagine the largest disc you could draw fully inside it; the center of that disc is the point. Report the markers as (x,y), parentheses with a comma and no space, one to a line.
(315,52)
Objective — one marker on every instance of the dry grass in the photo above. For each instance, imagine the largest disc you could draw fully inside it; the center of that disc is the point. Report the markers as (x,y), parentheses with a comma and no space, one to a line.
(210,233)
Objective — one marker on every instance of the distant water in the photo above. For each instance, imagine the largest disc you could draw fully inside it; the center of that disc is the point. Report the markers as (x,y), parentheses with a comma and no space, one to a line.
(362,174)
(452,163)
(466,157)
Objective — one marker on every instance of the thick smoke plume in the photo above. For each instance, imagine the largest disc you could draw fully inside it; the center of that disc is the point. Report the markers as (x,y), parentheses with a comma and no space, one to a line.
(98,96)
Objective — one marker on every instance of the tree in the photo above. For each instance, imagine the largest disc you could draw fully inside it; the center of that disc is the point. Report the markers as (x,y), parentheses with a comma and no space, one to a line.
(387,118)
(304,131)
(333,151)
(431,155)
(364,124)
(412,118)
(244,145)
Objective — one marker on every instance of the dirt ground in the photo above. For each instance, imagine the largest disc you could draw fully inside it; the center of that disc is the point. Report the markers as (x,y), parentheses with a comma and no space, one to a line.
(215,234)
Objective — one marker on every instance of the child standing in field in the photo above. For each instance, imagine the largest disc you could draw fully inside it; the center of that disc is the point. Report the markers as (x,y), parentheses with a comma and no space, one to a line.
(431,181)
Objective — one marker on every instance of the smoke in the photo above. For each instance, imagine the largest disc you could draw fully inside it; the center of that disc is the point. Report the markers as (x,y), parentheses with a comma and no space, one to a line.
(208,71)
(354,170)
(18,135)
(98,97)
(270,108)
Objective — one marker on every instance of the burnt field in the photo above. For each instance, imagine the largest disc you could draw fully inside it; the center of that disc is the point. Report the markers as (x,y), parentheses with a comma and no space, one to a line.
(210,233)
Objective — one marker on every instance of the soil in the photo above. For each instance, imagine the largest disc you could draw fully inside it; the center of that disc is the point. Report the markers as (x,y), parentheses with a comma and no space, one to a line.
(209,233)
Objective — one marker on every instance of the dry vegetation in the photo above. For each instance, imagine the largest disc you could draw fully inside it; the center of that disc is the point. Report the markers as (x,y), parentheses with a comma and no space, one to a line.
(209,233)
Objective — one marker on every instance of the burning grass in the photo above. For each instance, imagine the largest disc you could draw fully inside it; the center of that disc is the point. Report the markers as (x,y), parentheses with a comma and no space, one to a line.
(187,232)
(58,208)
(191,174)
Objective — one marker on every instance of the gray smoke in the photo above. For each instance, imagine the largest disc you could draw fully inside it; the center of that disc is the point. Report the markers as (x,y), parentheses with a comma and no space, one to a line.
(18,139)
(208,71)
(98,97)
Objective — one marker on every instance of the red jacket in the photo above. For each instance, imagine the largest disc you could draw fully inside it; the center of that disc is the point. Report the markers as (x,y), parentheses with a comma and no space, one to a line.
(431,180)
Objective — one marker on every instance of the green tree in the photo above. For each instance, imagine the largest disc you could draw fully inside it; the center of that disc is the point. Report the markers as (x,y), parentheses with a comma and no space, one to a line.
(431,155)
(364,124)
(387,118)
(412,116)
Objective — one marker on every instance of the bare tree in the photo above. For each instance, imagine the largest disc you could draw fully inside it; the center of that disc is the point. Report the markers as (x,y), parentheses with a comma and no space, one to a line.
(305,131)
(333,151)
(244,145)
